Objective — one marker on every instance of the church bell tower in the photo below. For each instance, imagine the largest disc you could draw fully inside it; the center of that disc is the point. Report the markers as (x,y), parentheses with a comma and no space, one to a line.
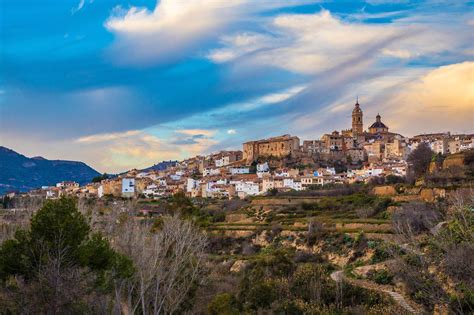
(357,123)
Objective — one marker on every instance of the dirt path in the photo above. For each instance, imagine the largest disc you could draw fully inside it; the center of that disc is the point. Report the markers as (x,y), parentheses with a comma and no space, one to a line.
(339,276)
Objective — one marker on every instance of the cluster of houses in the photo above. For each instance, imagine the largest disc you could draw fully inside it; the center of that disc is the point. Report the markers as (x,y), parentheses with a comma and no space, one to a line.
(258,168)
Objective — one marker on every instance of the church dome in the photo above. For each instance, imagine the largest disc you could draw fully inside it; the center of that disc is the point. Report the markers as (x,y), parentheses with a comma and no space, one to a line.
(378,124)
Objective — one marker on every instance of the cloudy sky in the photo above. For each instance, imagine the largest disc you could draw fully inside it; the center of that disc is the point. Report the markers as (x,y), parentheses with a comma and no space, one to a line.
(124,84)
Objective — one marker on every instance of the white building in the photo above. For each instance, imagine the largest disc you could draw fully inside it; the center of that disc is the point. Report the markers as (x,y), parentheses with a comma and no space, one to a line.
(263,167)
(128,187)
(100,191)
(239,170)
(192,184)
(440,146)
(223,161)
(247,188)
(292,184)
(175,176)
(67,184)
(211,172)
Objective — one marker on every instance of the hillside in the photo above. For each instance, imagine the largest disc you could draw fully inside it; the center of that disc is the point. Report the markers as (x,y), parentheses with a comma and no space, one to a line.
(160,166)
(18,172)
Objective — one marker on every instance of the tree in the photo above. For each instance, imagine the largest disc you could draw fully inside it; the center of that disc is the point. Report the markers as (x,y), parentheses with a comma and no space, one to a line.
(169,265)
(420,158)
(58,265)
(100,178)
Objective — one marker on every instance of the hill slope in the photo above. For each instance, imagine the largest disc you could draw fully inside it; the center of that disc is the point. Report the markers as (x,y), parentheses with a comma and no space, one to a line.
(18,172)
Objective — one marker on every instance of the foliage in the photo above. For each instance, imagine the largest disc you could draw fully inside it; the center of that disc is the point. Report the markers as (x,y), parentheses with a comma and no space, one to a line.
(447,248)
(223,304)
(415,218)
(382,276)
(59,250)
(100,178)
(394,179)
(420,158)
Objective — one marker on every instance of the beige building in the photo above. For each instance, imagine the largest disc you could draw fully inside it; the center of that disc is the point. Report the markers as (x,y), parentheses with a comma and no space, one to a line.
(332,141)
(395,150)
(312,147)
(374,151)
(355,155)
(454,146)
(277,147)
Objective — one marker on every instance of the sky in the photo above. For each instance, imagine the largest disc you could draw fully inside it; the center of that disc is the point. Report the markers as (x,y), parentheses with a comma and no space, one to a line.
(126,84)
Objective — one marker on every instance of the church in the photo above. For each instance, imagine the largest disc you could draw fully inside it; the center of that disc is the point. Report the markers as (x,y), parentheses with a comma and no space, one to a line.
(378,127)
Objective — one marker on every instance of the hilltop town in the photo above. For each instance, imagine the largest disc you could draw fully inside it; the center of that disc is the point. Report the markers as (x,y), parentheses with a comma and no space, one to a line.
(282,163)
(360,221)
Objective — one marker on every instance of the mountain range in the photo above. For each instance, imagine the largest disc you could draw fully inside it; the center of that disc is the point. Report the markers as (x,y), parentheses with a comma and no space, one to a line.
(20,173)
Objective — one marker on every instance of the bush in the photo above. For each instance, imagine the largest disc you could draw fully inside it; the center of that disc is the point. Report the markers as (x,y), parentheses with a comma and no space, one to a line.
(381,276)
(415,218)
(307,206)
(223,304)
(394,179)
(261,295)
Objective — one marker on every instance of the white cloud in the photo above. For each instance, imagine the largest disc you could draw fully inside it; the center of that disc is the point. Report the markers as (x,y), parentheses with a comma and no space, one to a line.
(79,7)
(402,54)
(378,2)
(107,136)
(231,132)
(116,152)
(195,132)
(174,27)
(238,45)
(314,43)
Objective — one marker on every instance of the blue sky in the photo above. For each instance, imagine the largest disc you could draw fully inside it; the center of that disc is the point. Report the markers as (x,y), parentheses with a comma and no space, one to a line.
(123,84)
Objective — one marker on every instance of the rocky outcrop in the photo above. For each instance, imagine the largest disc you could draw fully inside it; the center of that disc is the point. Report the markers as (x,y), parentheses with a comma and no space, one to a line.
(239,265)
(454,160)
(431,194)
(384,190)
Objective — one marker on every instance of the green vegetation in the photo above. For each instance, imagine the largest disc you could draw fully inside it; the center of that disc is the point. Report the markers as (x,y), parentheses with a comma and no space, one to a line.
(274,254)
(100,178)
(59,249)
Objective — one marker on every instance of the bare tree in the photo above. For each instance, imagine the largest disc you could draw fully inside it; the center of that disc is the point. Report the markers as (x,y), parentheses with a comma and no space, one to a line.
(450,253)
(169,264)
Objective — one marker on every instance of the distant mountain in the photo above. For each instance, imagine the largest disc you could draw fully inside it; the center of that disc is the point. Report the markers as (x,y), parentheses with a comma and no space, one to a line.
(18,172)
(161,166)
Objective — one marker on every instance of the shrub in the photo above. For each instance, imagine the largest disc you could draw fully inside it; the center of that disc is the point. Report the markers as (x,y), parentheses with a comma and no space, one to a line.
(315,232)
(223,304)
(261,295)
(381,276)
(415,218)
(307,206)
